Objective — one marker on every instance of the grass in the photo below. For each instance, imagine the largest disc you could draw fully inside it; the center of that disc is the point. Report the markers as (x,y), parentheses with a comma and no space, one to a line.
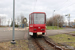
(51,27)
(20,45)
(63,38)
(73,32)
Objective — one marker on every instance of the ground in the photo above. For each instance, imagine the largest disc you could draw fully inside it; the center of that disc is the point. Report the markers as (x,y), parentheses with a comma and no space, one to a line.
(61,31)
(20,37)
(56,36)
(22,34)
(64,40)
(53,27)
(6,33)
(73,32)
(20,45)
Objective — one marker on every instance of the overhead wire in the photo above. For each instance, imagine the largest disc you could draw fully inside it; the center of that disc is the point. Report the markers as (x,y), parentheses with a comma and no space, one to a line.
(62,4)
(35,5)
(67,6)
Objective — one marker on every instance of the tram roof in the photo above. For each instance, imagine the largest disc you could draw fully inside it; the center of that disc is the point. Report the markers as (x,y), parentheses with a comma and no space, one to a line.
(37,12)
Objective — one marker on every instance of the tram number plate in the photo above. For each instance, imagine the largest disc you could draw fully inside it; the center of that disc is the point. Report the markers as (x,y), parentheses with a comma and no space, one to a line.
(39,33)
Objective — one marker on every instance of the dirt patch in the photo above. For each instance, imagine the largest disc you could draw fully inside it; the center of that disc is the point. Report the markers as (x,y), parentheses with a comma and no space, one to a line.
(1,48)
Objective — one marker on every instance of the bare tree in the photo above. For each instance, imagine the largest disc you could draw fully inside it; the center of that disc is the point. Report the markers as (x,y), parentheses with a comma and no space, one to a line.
(18,20)
(22,17)
(1,20)
(57,19)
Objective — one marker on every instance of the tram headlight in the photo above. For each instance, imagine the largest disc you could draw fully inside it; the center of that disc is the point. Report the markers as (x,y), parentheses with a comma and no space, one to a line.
(42,29)
(34,29)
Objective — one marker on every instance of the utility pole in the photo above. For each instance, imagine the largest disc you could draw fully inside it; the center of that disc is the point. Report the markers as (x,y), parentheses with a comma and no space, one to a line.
(68,19)
(53,19)
(58,22)
(13,40)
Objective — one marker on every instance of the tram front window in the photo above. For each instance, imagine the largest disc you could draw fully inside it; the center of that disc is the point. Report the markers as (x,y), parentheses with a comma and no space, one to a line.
(39,18)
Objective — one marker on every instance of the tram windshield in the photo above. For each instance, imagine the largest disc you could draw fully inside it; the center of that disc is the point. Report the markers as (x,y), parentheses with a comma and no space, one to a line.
(39,18)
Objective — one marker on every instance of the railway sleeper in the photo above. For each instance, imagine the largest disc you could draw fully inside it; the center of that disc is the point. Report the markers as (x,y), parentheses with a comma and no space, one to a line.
(41,48)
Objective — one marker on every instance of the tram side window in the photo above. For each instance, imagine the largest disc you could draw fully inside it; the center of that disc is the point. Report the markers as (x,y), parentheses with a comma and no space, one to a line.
(30,19)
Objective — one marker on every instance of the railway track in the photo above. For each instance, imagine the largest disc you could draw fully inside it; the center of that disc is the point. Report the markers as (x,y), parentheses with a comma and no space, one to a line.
(44,44)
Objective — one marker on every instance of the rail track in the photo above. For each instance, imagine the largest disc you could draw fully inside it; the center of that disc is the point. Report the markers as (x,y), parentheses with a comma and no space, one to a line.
(44,44)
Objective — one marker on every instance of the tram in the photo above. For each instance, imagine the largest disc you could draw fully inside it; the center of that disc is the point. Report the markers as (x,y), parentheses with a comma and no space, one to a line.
(37,23)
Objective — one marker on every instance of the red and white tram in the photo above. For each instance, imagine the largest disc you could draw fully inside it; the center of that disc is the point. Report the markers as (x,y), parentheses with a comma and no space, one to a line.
(37,23)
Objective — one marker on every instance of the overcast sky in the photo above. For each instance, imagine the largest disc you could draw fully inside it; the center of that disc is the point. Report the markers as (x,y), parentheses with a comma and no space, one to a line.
(25,7)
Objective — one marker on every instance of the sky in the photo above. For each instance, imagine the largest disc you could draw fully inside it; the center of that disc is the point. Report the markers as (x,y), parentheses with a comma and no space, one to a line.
(25,7)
